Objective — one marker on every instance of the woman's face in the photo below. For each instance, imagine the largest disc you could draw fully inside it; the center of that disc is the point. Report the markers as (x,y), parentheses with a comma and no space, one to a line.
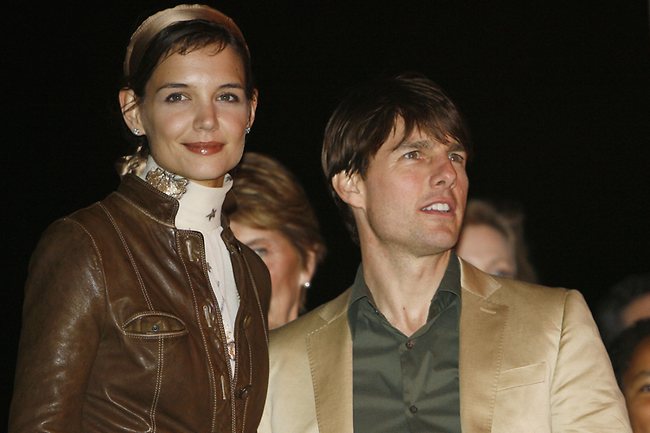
(194,113)
(488,250)
(288,272)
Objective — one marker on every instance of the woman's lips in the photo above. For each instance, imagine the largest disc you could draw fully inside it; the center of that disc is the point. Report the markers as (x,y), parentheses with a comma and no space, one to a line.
(209,148)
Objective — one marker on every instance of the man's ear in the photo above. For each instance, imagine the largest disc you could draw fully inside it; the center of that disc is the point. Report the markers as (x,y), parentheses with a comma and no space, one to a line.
(349,188)
(130,110)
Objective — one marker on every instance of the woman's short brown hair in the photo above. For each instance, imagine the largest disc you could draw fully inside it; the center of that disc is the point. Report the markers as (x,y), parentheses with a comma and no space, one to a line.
(269,197)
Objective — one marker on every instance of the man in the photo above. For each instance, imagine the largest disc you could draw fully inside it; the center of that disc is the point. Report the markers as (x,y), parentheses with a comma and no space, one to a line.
(422,341)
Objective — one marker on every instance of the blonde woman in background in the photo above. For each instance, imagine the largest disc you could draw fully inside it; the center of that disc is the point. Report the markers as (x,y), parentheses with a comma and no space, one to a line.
(493,241)
(272,215)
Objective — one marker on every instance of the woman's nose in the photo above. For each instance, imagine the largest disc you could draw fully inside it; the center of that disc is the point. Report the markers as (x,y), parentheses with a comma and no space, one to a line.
(206,116)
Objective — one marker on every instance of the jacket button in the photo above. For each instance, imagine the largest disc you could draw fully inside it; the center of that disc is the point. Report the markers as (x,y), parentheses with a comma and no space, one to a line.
(243,393)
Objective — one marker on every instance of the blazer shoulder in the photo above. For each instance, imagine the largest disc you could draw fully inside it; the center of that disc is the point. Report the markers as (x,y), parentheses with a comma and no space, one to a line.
(532,303)
(299,329)
(534,294)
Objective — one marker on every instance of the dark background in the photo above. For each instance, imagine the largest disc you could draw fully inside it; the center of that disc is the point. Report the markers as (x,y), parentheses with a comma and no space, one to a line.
(557,96)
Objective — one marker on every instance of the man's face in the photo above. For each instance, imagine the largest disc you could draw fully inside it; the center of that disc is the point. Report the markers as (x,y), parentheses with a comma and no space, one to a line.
(413,197)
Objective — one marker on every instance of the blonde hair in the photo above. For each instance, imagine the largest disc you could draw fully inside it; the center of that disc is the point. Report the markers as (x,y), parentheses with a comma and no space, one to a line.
(268,196)
(510,224)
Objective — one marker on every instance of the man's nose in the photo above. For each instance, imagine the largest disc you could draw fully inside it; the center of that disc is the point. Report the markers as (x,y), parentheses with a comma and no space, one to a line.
(444,172)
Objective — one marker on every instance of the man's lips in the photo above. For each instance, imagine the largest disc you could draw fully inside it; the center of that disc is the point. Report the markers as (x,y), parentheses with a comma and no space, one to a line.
(439,207)
(204,148)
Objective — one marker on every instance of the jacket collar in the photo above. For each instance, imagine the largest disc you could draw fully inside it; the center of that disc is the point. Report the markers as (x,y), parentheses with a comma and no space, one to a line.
(482,328)
(330,360)
(160,206)
(148,199)
(330,356)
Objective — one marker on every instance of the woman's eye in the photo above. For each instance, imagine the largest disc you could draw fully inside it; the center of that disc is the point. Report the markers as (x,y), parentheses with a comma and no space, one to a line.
(645,388)
(503,273)
(228,97)
(260,251)
(175,97)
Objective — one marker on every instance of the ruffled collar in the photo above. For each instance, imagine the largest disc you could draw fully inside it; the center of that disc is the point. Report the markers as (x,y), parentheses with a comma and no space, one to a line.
(199,206)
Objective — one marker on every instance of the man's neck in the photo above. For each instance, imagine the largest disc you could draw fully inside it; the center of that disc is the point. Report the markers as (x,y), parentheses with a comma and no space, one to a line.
(403,286)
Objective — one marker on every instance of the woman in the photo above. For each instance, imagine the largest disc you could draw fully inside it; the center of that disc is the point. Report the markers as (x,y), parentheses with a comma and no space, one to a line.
(142,312)
(274,218)
(493,241)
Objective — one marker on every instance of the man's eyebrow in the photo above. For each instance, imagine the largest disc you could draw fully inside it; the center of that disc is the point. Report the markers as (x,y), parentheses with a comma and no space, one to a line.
(413,144)
(456,146)
(452,145)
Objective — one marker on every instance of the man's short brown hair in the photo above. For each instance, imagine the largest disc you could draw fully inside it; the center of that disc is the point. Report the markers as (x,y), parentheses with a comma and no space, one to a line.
(366,117)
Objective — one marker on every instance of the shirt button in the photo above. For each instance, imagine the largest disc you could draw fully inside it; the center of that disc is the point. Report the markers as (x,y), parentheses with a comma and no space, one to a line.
(410,344)
(413,409)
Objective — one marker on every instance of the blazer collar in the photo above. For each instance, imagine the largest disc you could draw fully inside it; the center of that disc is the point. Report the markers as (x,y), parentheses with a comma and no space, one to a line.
(482,325)
(330,361)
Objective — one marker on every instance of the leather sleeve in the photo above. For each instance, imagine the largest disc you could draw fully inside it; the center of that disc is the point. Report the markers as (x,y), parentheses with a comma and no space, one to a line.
(584,396)
(61,326)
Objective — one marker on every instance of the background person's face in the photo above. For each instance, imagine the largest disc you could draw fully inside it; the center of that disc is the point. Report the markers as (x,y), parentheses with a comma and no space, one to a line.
(487,249)
(636,388)
(288,272)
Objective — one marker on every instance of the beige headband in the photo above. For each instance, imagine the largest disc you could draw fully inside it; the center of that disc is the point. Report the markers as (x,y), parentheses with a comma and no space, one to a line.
(156,23)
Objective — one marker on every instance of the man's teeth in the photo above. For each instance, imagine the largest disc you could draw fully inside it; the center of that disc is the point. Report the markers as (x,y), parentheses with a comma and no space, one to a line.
(440,207)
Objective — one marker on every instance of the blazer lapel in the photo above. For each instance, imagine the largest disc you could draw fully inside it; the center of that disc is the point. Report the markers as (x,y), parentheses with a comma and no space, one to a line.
(482,325)
(330,360)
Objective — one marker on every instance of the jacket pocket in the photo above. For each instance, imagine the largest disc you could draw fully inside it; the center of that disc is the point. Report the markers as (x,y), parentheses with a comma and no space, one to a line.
(521,376)
(154,324)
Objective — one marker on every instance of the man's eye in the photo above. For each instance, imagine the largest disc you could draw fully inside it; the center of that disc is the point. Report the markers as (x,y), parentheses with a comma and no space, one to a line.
(456,157)
(175,97)
(645,388)
(414,154)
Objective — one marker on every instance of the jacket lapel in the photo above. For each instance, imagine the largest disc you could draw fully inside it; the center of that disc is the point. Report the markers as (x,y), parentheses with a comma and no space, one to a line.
(482,325)
(330,360)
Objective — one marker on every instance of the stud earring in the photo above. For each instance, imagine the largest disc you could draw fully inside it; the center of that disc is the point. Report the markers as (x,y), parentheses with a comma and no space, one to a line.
(247,130)
(306,285)
(136,131)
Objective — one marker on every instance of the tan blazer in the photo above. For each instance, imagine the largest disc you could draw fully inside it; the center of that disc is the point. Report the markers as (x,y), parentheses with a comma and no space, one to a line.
(531,360)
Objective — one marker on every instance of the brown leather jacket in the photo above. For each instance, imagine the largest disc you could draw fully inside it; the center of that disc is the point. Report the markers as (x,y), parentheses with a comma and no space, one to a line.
(122,332)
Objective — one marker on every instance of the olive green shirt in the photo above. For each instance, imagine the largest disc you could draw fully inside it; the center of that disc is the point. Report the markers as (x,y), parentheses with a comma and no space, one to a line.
(406,383)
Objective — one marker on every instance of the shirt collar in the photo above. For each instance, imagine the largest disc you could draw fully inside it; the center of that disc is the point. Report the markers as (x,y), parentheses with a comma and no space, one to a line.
(199,206)
(450,281)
